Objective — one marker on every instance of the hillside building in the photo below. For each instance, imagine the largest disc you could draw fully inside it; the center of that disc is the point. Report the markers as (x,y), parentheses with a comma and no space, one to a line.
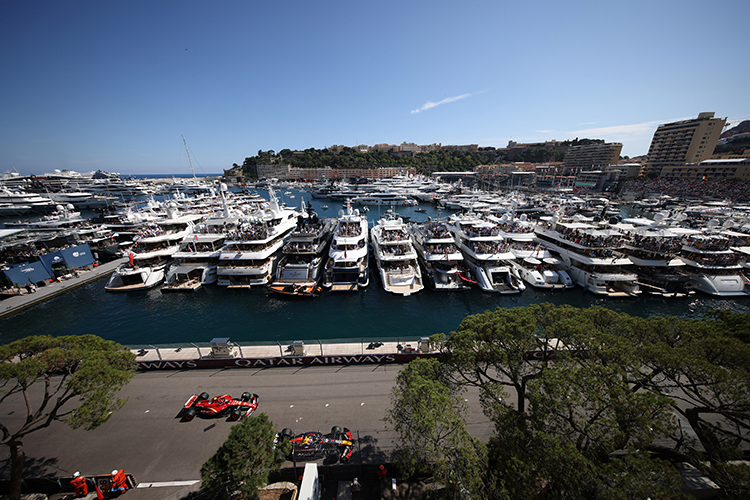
(592,156)
(683,142)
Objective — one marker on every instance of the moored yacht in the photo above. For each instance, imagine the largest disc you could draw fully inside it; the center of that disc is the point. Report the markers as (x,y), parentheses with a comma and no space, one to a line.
(441,260)
(485,252)
(300,269)
(713,267)
(395,256)
(194,263)
(533,263)
(348,267)
(152,253)
(250,252)
(592,256)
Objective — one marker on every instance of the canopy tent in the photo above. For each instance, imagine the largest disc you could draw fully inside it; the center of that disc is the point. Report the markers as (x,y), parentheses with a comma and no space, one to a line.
(77,256)
(23,274)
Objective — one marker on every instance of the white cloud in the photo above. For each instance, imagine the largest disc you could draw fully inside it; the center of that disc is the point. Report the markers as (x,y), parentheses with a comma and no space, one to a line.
(430,104)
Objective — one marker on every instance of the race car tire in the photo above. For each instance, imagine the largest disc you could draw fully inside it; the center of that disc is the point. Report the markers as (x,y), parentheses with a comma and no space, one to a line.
(246,396)
(203,396)
(235,415)
(333,457)
(336,430)
(286,432)
(279,456)
(189,415)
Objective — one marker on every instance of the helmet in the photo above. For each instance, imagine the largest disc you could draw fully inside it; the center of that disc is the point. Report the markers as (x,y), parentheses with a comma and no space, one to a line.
(114,472)
(76,474)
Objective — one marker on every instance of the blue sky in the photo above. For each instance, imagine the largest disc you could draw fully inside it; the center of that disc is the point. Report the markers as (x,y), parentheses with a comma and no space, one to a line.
(113,85)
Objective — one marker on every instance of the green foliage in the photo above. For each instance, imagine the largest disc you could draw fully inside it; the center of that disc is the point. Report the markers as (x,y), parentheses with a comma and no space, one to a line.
(86,369)
(427,413)
(242,464)
(581,399)
(80,375)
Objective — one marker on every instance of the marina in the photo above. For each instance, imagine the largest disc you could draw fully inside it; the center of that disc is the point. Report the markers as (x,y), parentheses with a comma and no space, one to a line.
(254,316)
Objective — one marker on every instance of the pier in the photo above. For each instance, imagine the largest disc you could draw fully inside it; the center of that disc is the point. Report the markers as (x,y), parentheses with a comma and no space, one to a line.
(26,299)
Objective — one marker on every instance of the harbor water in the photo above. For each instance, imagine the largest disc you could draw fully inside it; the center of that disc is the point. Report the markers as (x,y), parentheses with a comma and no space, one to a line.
(253,316)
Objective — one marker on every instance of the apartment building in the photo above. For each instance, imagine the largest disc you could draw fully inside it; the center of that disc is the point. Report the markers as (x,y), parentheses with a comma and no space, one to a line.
(683,142)
(592,156)
(713,169)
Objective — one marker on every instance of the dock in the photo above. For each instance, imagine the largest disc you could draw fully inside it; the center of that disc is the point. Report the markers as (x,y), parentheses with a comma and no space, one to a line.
(26,299)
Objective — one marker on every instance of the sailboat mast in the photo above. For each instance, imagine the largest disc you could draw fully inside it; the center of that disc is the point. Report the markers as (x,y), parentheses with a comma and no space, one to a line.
(188,153)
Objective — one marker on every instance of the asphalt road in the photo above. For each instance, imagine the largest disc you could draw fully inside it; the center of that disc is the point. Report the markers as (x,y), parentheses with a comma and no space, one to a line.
(146,437)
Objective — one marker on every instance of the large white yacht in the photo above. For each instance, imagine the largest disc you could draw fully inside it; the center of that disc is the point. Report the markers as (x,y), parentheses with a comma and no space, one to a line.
(591,254)
(36,202)
(195,262)
(440,257)
(348,267)
(152,253)
(300,269)
(652,246)
(534,263)
(488,256)
(395,256)
(250,252)
(713,267)
(384,198)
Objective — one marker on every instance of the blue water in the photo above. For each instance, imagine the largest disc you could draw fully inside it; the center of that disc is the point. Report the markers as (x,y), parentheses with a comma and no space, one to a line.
(150,317)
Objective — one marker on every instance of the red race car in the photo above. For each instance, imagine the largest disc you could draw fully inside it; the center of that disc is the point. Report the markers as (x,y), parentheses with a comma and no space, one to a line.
(224,405)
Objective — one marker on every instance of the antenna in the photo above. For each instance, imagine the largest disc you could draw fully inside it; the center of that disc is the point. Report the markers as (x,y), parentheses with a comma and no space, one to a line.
(188,153)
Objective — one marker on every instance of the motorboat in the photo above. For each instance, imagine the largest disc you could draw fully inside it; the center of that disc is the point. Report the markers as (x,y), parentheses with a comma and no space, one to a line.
(300,269)
(152,253)
(395,256)
(252,250)
(347,268)
(441,259)
(592,255)
(713,267)
(486,253)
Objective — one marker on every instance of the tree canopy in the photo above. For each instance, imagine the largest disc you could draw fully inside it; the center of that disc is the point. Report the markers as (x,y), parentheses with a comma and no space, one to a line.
(79,376)
(593,403)
(242,464)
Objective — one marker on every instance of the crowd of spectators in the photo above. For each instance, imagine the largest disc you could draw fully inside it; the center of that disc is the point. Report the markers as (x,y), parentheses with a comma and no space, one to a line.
(735,190)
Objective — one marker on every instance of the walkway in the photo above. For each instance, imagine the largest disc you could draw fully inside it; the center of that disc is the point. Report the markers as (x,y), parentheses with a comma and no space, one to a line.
(18,302)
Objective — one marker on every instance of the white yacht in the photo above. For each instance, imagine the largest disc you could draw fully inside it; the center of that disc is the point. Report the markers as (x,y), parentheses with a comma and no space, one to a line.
(440,257)
(395,256)
(384,198)
(713,267)
(195,263)
(250,253)
(653,247)
(21,198)
(81,199)
(63,217)
(488,256)
(534,263)
(348,267)
(592,255)
(152,253)
(299,272)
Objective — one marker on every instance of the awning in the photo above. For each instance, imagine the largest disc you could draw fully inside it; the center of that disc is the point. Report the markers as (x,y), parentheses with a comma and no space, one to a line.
(23,274)
(77,256)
